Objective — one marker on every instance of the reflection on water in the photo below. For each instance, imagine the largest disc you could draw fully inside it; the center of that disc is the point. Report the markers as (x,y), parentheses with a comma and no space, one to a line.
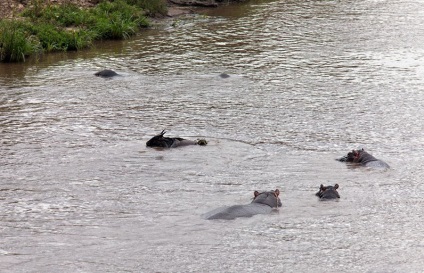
(309,81)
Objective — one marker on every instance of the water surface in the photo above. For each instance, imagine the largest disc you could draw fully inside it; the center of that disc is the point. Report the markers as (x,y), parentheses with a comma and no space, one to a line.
(310,80)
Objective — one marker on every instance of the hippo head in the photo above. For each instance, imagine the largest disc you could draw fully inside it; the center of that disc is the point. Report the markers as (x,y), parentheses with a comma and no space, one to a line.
(328,192)
(269,198)
(354,156)
(160,141)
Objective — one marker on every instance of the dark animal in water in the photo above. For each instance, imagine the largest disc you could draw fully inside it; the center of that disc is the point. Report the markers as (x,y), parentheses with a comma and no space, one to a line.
(106,73)
(263,203)
(328,192)
(363,158)
(172,142)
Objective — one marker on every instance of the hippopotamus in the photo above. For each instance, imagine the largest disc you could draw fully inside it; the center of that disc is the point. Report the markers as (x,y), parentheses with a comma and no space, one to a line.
(364,159)
(106,73)
(172,142)
(328,192)
(263,203)
(224,75)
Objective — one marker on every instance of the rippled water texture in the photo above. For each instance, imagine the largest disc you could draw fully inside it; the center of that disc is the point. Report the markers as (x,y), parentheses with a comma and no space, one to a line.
(310,80)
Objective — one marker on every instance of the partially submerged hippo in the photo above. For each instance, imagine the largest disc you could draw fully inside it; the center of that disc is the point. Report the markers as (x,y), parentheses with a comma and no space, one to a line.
(106,73)
(263,203)
(363,158)
(172,142)
(328,192)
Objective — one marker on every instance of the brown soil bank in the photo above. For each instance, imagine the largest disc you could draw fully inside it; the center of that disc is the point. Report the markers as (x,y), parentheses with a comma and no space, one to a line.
(8,8)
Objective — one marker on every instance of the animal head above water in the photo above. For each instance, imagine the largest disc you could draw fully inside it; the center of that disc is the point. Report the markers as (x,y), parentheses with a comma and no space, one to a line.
(160,141)
(357,156)
(269,198)
(328,192)
(354,156)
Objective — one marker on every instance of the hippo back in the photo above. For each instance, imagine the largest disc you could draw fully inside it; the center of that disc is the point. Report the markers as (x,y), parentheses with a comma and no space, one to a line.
(236,211)
(370,161)
(377,164)
(106,73)
(263,203)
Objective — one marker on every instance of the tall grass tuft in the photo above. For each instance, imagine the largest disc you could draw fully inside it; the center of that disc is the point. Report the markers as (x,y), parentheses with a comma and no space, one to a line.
(54,38)
(81,39)
(15,41)
(117,20)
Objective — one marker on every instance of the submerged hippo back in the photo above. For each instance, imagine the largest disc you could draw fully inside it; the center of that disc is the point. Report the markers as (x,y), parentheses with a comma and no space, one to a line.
(377,164)
(263,203)
(106,73)
(370,161)
(236,211)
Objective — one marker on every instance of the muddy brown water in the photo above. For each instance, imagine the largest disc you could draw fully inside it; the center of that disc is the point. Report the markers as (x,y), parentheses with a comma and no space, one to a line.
(310,80)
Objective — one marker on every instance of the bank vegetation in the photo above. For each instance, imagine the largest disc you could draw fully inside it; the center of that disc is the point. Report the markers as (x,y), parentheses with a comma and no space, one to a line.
(43,27)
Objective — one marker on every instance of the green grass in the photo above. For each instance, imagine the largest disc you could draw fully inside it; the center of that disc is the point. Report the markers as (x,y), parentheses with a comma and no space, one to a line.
(152,7)
(16,42)
(54,38)
(65,15)
(117,20)
(47,28)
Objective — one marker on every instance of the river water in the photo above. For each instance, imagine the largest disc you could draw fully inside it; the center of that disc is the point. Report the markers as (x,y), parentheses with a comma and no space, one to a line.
(310,80)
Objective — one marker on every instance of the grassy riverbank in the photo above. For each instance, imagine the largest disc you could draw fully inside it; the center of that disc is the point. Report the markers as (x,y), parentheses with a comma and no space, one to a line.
(45,27)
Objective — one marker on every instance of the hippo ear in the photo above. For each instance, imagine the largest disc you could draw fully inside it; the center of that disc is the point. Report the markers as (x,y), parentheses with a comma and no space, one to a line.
(162,133)
(277,192)
(256,193)
(321,187)
(336,186)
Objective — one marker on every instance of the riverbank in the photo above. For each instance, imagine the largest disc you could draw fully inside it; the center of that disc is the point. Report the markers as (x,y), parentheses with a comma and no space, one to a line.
(33,27)
(11,8)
